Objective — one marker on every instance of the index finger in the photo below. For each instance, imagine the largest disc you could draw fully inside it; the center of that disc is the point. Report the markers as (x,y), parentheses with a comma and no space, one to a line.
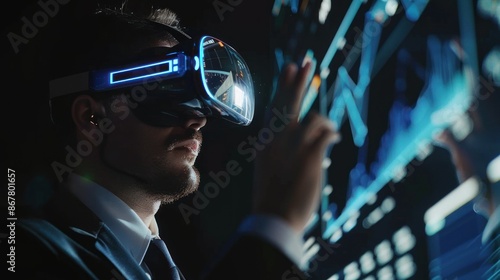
(291,89)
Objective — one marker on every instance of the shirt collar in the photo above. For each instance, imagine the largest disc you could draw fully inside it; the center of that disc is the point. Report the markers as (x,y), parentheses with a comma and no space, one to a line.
(115,213)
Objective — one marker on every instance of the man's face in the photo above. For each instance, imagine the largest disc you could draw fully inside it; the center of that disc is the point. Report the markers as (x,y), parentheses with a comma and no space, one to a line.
(158,159)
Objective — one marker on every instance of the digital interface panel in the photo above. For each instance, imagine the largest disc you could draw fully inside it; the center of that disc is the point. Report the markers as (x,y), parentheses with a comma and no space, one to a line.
(165,66)
(144,71)
(392,75)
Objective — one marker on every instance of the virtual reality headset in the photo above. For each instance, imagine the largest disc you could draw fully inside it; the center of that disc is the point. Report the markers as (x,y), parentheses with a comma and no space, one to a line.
(201,77)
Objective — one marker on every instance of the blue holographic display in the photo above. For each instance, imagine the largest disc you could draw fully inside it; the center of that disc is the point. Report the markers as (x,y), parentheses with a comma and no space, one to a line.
(433,76)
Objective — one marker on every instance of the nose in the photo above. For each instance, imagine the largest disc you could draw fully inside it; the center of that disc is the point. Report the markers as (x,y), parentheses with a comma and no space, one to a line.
(195,123)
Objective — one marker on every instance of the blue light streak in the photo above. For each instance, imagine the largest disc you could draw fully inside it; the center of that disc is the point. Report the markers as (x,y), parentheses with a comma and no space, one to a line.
(358,127)
(356,99)
(280,60)
(468,38)
(448,93)
(341,31)
(368,55)
(294,6)
(414,8)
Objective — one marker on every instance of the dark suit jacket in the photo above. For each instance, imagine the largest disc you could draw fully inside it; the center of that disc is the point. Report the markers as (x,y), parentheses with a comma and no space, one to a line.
(69,242)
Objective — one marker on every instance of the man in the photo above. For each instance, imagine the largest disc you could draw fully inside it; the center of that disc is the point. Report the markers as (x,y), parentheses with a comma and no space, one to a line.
(133,148)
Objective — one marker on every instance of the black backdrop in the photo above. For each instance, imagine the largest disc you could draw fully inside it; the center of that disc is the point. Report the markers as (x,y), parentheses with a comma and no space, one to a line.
(246,25)
(28,143)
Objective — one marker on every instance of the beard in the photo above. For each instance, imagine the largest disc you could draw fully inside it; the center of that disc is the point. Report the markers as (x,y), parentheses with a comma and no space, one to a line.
(174,178)
(171,175)
(174,184)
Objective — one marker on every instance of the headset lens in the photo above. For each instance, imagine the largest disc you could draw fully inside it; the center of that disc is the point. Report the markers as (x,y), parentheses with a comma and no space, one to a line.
(227,80)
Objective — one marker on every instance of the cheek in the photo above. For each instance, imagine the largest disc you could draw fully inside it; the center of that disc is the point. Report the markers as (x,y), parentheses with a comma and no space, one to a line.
(133,141)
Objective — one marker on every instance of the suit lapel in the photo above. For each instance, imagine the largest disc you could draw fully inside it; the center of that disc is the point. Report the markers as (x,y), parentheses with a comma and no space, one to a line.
(107,244)
(85,227)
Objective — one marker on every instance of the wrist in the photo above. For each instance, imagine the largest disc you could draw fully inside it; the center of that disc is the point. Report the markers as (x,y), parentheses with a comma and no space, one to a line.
(294,223)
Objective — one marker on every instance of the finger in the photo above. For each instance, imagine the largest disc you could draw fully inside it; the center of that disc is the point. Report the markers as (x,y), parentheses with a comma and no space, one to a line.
(301,82)
(298,90)
(314,124)
(287,77)
(285,83)
(445,139)
(291,89)
(325,136)
(285,80)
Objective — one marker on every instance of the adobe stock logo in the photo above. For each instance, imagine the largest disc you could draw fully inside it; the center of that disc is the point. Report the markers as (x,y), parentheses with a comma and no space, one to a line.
(222,6)
(39,19)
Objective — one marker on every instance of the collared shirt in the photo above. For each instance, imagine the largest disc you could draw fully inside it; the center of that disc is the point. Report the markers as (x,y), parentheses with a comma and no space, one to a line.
(124,222)
(135,235)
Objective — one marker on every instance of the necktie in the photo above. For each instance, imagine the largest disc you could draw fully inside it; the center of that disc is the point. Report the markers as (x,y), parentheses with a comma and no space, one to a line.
(159,261)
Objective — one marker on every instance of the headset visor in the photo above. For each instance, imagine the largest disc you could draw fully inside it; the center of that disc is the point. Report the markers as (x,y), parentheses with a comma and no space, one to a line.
(227,80)
(211,78)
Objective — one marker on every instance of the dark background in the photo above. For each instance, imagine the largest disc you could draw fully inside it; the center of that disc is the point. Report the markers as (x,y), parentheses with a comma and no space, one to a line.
(248,27)
(28,142)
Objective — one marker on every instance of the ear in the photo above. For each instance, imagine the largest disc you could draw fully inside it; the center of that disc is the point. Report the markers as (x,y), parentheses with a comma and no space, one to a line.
(84,111)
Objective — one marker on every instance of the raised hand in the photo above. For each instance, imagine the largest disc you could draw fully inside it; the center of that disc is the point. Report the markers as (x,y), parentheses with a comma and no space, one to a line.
(288,170)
